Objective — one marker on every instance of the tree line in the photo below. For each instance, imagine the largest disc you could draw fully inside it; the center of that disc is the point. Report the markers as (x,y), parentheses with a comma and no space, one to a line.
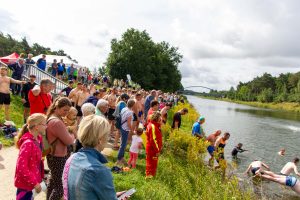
(151,65)
(9,45)
(265,88)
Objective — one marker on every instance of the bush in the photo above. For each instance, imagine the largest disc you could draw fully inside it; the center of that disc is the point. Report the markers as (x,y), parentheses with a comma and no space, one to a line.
(265,96)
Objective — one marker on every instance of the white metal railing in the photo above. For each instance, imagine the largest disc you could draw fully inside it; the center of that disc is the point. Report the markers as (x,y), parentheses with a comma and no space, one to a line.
(40,74)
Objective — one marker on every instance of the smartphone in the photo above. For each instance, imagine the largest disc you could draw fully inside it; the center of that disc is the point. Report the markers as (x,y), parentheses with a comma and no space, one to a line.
(127,193)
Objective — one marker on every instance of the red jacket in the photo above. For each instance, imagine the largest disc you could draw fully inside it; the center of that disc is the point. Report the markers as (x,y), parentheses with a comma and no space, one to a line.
(154,138)
(30,168)
(40,103)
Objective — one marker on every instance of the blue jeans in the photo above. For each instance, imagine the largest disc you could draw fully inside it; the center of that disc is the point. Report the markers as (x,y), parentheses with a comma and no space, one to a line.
(124,137)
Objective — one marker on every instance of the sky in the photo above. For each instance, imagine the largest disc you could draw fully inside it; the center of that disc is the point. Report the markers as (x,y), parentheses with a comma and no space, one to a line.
(222,42)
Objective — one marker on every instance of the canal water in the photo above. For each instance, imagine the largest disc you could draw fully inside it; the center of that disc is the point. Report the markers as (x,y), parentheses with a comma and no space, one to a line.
(262,131)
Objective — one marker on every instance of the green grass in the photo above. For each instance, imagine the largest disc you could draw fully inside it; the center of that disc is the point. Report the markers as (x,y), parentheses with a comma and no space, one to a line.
(181,173)
(16,115)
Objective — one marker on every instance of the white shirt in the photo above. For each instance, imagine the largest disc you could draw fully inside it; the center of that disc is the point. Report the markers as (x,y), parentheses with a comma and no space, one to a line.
(125,114)
(136,140)
(289,168)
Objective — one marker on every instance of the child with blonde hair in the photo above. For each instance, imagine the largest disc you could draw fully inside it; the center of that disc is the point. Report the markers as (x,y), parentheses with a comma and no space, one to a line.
(30,168)
(136,145)
(70,121)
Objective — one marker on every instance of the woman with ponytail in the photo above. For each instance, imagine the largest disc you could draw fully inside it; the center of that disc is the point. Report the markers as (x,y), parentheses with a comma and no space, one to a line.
(30,169)
(59,138)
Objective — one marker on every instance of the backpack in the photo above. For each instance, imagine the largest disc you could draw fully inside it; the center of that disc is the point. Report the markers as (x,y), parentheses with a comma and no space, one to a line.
(118,121)
(48,148)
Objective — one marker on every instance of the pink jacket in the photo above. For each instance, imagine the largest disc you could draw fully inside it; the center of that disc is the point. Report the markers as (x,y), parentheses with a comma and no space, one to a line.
(30,167)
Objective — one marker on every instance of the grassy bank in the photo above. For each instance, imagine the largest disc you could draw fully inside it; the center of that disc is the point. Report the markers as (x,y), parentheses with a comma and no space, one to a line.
(16,115)
(182,173)
(286,106)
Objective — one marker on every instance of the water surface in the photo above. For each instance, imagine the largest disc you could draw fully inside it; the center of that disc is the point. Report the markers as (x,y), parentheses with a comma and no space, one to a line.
(262,131)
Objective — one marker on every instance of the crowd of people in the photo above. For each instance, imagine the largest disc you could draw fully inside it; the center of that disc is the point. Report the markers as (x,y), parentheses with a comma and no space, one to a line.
(70,131)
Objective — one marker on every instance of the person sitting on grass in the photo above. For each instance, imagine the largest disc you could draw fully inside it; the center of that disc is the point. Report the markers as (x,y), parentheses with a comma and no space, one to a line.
(5,81)
(136,145)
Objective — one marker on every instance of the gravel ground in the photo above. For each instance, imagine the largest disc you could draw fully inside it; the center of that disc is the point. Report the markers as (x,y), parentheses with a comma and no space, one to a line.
(8,158)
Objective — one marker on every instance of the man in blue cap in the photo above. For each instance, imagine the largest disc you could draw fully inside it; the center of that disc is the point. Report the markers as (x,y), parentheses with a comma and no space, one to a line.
(197,128)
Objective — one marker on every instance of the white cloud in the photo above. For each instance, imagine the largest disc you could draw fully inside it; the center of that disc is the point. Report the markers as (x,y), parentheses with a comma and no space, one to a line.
(223,42)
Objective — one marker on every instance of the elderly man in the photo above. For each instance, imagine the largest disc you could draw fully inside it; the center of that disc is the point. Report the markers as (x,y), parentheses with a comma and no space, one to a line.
(18,69)
(40,98)
(102,108)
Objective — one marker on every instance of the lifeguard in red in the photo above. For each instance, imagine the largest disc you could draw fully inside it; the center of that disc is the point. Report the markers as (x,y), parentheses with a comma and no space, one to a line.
(153,146)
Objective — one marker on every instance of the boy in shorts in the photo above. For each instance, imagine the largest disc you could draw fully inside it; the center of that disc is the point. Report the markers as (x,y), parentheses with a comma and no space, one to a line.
(5,81)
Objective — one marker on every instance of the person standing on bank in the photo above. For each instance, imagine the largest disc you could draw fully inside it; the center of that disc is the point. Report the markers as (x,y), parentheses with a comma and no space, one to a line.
(18,69)
(154,144)
(59,138)
(30,168)
(40,98)
(126,127)
(24,94)
(177,118)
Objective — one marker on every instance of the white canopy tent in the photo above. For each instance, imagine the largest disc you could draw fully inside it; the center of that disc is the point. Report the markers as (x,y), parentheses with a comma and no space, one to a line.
(50,58)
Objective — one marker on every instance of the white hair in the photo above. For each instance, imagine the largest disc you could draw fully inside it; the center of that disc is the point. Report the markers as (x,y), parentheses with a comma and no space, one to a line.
(101,103)
(88,109)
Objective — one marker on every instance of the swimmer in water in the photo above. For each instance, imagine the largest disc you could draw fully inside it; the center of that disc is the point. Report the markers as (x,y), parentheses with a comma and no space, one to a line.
(290,167)
(237,149)
(256,166)
(281,152)
(289,181)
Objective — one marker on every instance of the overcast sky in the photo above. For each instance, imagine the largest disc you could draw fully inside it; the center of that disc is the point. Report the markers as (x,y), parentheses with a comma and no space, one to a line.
(222,42)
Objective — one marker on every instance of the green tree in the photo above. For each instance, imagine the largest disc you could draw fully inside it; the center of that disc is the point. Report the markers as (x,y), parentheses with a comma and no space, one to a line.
(152,65)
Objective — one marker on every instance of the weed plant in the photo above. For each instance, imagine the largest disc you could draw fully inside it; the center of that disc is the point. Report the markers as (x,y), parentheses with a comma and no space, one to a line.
(182,173)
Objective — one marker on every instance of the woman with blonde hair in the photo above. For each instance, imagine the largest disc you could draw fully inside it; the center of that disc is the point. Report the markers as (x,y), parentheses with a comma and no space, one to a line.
(29,168)
(85,175)
(59,138)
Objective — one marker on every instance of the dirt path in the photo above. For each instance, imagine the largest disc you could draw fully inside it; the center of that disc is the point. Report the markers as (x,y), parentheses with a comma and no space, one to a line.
(8,158)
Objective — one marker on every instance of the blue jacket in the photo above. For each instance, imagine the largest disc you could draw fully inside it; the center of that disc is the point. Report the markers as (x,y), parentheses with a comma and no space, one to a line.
(197,129)
(17,70)
(92,99)
(89,178)
(41,63)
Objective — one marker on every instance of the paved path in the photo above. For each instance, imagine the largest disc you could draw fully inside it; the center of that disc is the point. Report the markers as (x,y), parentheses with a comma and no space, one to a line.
(8,158)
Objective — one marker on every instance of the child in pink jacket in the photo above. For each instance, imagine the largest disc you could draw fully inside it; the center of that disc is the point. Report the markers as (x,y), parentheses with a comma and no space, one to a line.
(30,169)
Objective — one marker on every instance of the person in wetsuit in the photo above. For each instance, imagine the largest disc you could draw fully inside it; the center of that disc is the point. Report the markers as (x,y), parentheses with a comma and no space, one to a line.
(236,150)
